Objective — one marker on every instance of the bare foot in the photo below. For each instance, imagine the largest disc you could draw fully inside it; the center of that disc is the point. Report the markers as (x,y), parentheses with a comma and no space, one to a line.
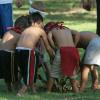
(33,88)
(75,87)
(22,90)
(96,86)
(82,86)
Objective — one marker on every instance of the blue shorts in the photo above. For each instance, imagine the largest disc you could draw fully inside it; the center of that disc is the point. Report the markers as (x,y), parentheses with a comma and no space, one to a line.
(6,19)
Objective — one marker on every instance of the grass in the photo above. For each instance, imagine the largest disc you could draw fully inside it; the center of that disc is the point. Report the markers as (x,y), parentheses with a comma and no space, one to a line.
(68,11)
(74,17)
(87,95)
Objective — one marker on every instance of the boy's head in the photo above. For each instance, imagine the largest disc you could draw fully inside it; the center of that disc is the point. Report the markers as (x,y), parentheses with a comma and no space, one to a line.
(36,18)
(22,22)
(50,25)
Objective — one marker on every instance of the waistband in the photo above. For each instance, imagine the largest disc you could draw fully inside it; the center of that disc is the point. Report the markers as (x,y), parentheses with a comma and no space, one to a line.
(23,48)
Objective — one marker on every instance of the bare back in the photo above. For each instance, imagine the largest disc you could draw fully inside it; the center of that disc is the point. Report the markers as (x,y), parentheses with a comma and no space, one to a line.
(9,40)
(63,37)
(30,37)
(85,38)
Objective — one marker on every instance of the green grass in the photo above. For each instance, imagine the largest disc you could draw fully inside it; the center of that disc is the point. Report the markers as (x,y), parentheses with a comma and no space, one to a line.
(87,95)
(74,17)
(68,11)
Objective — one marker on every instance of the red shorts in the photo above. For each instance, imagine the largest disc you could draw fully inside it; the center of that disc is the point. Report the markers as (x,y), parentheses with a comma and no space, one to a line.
(69,60)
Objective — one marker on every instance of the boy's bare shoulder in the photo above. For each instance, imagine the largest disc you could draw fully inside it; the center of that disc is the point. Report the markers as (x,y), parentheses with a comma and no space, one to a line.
(9,33)
(34,28)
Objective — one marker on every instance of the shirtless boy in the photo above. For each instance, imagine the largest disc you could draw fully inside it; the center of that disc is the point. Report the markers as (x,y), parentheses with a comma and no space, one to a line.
(7,46)
(60,37)
(25,51)
(90,42)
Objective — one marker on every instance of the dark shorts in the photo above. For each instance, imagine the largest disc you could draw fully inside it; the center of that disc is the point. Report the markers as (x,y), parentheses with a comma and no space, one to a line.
(7,68)
(25,59)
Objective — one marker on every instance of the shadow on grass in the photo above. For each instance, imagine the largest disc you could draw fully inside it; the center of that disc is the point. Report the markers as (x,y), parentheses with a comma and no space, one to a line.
(73,18)
(87,95)
(61,5)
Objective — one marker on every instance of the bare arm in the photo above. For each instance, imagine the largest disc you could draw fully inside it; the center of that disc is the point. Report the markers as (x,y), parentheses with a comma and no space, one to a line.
(76,37)
(50,38)
(46,43)
(42,46)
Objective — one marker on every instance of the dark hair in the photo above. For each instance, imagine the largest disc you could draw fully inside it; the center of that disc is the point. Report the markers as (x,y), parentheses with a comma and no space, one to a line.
(22,22)
(50,25)
(35,17)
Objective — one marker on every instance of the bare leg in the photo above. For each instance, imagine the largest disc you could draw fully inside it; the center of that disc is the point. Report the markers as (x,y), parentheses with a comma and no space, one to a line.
(95,78)
(84,77)
(22,90)
(50,84)
(33,87)
(74,85)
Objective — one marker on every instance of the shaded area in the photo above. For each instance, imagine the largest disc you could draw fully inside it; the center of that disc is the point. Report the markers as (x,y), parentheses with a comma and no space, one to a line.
(88,94)
(75,18)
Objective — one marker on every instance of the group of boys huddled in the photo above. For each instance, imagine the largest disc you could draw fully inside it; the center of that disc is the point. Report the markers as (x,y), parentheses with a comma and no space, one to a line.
(17,49)
(23,44)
